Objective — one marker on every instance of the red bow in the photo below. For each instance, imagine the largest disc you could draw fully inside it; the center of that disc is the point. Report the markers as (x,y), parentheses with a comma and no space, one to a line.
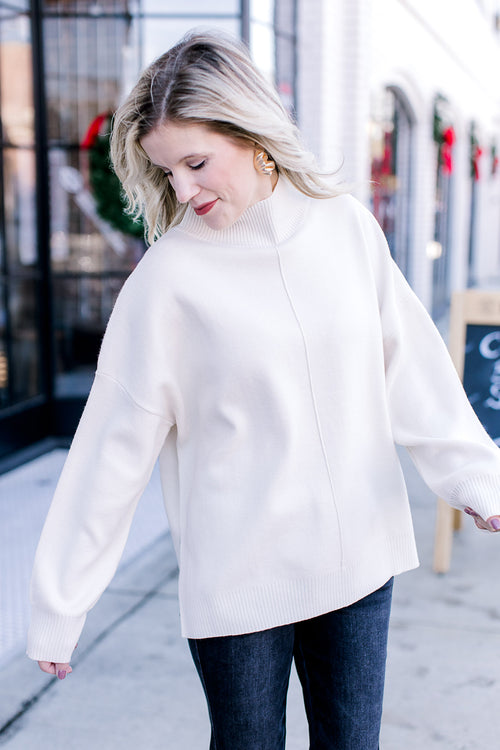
(93,130)
(446,149)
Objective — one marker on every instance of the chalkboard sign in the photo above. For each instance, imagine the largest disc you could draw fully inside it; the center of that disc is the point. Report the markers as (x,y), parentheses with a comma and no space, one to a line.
(475,350)
(481,375)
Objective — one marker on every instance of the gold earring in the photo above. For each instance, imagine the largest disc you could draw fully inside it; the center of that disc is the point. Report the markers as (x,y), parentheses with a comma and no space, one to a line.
(263,164)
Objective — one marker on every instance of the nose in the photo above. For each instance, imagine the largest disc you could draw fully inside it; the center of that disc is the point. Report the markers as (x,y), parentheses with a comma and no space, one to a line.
(185,186)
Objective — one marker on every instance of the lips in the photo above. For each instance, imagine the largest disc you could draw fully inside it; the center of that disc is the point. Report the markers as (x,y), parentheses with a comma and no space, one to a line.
(204,208)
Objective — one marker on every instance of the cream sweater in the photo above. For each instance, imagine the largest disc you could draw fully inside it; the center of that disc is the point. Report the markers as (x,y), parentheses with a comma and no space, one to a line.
(271,366)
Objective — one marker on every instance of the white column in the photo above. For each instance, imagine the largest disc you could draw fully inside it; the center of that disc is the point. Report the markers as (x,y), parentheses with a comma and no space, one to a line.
(355,93)
(333,85)
(319,68)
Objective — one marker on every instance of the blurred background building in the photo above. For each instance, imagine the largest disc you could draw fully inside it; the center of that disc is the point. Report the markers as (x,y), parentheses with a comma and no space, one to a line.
(402,96)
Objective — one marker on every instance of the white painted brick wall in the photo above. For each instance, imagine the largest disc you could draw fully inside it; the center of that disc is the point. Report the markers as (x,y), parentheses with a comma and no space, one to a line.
(350,48)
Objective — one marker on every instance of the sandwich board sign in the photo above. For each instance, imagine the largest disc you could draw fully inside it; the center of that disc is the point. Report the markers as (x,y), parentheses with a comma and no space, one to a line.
(475,349)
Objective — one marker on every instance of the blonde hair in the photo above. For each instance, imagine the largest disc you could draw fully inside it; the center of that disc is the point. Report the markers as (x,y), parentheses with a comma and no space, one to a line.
(207,78)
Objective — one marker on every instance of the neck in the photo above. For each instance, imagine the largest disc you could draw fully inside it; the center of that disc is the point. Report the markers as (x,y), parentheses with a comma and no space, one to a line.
(270,221)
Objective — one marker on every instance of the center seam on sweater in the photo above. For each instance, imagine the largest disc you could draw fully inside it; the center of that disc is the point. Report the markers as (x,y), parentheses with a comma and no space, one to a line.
(313,398)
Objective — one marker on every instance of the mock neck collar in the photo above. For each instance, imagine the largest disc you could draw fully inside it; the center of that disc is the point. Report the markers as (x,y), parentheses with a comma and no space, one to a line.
(268,222)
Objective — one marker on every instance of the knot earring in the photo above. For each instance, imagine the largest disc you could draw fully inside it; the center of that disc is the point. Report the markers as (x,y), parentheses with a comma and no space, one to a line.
(263,164)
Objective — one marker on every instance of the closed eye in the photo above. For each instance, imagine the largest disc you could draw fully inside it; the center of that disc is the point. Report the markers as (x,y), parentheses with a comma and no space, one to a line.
(194,167)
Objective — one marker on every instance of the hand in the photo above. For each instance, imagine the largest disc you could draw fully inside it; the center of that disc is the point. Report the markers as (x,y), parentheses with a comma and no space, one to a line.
(491,524)
(61,670)
(51,667)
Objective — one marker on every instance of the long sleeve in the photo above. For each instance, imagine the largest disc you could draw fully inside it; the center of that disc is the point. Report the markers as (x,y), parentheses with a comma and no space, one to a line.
(123,428)
(429,410)
(108,467)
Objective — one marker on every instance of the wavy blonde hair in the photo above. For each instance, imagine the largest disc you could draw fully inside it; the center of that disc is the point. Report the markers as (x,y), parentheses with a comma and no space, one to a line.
(207,78)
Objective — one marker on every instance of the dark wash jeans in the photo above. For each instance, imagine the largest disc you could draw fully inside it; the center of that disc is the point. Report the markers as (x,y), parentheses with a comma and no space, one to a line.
(340,659)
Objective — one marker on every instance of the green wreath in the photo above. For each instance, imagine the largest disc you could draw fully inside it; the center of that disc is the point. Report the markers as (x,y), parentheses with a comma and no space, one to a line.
(105,185)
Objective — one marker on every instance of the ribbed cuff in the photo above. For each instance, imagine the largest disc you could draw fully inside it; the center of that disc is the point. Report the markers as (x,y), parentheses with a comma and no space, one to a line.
(53,637)
(481,493)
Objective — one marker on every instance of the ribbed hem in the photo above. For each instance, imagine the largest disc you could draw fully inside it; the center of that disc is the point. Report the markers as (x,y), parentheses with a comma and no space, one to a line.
(481,493)
(251,609)
(52,637)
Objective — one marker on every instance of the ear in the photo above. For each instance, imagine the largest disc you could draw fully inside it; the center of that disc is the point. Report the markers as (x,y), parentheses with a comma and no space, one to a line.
(262,163)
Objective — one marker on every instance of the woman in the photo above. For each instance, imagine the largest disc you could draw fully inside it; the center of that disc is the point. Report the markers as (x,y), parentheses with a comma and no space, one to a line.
(270,353)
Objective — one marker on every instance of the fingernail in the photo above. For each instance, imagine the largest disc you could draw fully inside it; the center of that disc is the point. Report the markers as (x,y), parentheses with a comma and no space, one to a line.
(469,511)
(495,523)
(61,674)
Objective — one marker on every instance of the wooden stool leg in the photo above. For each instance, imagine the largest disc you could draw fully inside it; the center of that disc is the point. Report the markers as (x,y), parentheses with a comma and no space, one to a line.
(445,523)
(458,518)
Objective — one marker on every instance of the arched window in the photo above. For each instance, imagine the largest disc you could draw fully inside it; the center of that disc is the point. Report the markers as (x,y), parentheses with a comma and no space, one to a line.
(390,146)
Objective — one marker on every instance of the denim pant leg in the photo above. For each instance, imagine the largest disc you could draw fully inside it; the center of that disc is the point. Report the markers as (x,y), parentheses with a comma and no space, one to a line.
(340,659)
(245,679)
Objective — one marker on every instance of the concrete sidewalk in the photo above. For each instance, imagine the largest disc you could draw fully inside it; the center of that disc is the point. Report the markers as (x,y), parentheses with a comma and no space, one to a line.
(134,685)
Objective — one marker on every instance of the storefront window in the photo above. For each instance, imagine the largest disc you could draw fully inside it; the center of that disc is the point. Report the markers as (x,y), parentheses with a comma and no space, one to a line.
(20,348)
(390,145)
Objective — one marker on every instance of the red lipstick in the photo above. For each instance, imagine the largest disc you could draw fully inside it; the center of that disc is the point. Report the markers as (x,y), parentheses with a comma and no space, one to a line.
(204,208)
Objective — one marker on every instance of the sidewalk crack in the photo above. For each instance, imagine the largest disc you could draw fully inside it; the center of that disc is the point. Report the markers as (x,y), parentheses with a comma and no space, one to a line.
(10,728)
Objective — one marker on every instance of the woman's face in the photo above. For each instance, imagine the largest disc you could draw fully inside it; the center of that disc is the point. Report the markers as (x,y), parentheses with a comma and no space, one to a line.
(211,172)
